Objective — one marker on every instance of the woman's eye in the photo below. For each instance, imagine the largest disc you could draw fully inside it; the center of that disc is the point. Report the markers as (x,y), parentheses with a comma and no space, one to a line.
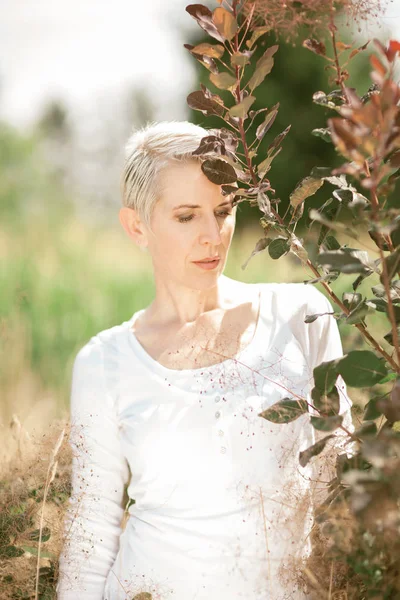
(222,213)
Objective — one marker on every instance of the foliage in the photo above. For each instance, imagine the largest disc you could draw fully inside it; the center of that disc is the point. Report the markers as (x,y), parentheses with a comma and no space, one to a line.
(289,86)
(364,130)
(33,494)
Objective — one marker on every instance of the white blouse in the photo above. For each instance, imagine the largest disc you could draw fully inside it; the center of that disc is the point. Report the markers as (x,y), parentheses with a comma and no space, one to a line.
(220,508)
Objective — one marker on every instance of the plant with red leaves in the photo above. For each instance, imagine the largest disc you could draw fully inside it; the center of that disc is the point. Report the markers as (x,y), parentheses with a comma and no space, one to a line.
(366,132)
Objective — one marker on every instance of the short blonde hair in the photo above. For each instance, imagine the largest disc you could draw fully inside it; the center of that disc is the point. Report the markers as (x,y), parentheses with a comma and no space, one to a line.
(148,152)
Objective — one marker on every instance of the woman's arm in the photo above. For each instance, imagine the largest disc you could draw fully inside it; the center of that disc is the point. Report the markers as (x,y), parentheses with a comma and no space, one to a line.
(92,524)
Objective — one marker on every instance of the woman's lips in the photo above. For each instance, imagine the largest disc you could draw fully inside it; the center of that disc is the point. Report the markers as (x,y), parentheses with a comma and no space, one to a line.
(208,266)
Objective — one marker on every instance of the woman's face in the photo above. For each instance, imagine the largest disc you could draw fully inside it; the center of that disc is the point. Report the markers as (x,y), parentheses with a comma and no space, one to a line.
(191,221)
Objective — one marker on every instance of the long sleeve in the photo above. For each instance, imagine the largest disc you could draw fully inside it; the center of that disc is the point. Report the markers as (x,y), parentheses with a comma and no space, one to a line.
(92,524)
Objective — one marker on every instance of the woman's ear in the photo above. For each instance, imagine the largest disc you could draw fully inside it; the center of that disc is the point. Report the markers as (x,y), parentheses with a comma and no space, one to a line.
(133,226)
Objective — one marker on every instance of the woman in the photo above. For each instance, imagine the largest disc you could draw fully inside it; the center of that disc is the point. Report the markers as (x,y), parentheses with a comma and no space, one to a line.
(169,401)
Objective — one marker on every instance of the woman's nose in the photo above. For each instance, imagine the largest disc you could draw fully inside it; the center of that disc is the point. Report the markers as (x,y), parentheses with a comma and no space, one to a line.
(211,232)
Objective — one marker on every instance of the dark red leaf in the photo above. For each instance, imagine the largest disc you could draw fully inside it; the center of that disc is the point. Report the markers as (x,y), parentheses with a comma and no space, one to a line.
(203,16)
(315,46)
(199,101)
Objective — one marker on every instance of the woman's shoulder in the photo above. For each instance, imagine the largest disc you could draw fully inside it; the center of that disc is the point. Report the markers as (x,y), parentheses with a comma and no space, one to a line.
(291,298)
(291,295)
(291,291)
(105,341)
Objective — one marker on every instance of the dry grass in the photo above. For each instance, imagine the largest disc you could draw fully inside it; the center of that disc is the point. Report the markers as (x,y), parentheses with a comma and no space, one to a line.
(34,487)
(32,413)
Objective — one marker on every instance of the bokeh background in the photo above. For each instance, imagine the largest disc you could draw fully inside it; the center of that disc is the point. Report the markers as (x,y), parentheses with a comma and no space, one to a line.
(75,78)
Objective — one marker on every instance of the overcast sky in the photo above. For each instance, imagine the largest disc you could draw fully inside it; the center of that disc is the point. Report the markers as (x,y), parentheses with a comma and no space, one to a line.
(88,50)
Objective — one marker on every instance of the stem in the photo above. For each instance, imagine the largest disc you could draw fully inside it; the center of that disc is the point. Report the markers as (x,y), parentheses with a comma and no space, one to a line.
(332,29)
(359,326)
(41,530)
(249,18)
(265,535)
(386,282)
(237,92)
(225,65)
(314,270)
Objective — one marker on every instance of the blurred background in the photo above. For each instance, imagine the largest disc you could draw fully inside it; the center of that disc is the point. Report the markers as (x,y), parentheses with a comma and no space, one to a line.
(75,78)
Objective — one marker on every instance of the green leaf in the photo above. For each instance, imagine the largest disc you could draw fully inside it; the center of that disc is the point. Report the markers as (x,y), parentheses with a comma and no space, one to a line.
(389,377)
(328,277)
(240,110)
(391,406)
(314,450)
(260,246)
(278,247)
(325,375)
(130,503)
(223,81)
(394,289)
(323,133)
(389,336)
(345,260)
(17,509)
(264,204)
(332,100)
(306,188)
(396,310)
(331,243)
(366,430)
(361,368)
(360,279)
(312,318)
(344,196)
(327,403)
(395,393)
(263,67)
(218,171)
(34,551)
(34,535)
(321,172)
(143,596)
(277,141)
(10,552)
(371,411)
(378,303)
(285,411)
(392,265)
(265,126)
(265,165)
(351,299)
(358,313)
(326,423)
